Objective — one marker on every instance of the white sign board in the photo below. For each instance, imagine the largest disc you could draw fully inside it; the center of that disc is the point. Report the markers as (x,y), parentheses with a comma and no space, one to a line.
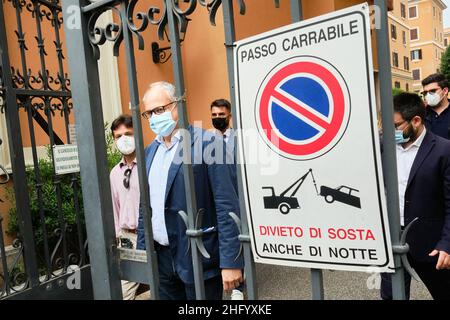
(306,102)
(66,159)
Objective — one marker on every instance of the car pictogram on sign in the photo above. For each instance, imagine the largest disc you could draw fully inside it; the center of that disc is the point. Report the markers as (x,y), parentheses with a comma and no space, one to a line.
(341,194)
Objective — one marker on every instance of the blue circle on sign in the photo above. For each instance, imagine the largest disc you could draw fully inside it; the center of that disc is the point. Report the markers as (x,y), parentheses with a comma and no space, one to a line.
(309,92)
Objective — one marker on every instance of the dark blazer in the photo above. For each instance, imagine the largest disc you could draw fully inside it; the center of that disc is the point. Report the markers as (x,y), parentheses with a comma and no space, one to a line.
(232,152)
(216,194)
(427,197)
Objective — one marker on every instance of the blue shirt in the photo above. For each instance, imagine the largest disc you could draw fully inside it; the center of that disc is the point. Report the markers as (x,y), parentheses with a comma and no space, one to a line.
(439,124)
(157,181)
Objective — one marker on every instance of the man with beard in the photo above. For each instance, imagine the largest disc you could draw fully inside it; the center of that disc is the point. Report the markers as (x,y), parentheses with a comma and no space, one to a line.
(221,119)
(435,91)
(423,161)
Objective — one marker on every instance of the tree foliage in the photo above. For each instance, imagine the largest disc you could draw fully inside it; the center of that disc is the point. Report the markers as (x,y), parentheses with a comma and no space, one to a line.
(445,63)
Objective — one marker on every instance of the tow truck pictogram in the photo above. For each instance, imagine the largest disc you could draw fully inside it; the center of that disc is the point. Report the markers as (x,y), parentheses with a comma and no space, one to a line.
(286,202)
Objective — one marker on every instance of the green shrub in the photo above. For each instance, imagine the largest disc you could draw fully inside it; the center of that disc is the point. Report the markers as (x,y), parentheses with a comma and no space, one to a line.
(445,63)
(396,91)
(50,203)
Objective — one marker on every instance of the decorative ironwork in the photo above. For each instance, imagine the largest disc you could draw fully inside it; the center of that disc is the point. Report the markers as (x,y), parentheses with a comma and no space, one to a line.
(45,97)
(13,279)
(136,23)
(214,5)
(19,279)
(43,80)
(159,55)
(99,35)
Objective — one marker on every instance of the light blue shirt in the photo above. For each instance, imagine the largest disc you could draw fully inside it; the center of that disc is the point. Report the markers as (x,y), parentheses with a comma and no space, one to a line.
(226,135)
(157,181)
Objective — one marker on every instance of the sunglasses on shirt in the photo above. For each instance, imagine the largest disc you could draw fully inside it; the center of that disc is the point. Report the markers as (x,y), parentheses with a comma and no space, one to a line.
(126,179)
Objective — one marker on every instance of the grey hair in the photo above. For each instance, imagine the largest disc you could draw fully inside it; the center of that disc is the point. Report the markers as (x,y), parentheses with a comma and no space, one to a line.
(166,86)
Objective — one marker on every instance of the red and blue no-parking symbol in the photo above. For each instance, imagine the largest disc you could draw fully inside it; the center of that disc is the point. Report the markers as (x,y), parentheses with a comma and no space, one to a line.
(303,108)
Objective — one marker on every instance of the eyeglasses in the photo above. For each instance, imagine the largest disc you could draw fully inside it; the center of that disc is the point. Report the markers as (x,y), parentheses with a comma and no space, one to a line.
(158,110)
(126,243)
(397,126)
(126,179)
(424,93)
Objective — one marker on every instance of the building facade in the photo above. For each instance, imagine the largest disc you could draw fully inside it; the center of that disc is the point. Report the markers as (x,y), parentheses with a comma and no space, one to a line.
(417,40)
(399,30)
(427,38)
(446,37)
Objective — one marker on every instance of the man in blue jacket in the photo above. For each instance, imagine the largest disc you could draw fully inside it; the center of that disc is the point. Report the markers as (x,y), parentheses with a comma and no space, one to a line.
(215,193)
(423,161)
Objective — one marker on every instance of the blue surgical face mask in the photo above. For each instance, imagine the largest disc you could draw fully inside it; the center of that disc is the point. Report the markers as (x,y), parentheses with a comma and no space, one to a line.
(400,138)
(162,124)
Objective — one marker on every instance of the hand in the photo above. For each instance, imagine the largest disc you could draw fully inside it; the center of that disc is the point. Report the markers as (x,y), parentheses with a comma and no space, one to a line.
(231,279)
(443,261)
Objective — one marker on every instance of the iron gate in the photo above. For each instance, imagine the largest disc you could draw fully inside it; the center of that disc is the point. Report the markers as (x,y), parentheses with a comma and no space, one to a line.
(84,37)
(47,214)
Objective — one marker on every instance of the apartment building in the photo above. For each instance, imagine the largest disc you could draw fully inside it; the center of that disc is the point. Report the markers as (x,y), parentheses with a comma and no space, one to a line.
(446,37)
(399,30)
(425,19)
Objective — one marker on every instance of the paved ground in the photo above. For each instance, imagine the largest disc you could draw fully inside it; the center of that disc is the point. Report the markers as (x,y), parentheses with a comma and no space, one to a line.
(285,283)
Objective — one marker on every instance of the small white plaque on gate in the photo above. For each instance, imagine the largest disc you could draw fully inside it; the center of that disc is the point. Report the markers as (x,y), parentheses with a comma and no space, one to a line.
(133,255)
(66,159)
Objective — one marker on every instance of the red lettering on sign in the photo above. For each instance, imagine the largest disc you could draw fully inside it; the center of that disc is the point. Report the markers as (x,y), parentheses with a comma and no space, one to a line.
(281,231)
(350,234)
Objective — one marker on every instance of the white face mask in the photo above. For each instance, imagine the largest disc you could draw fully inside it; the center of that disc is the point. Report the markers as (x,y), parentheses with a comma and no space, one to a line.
(125,144)
(433,99)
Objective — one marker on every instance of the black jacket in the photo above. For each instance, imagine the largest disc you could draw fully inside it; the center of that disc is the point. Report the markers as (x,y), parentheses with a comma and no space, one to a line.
(427,197)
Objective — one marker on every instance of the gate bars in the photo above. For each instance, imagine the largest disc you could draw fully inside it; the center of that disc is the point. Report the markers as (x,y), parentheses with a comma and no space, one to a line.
(83,41)
(389,158)
(18,161)
(45,97)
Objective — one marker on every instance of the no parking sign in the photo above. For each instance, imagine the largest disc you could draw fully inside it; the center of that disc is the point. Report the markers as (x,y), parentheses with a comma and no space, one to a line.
(305,103)
(307,90)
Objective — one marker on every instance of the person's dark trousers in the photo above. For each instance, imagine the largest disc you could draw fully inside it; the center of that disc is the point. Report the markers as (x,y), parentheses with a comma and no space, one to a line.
(436,281)
(171,287)
(386,285)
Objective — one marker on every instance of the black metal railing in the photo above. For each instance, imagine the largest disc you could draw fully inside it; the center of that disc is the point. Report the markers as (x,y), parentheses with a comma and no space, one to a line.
(38,89)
